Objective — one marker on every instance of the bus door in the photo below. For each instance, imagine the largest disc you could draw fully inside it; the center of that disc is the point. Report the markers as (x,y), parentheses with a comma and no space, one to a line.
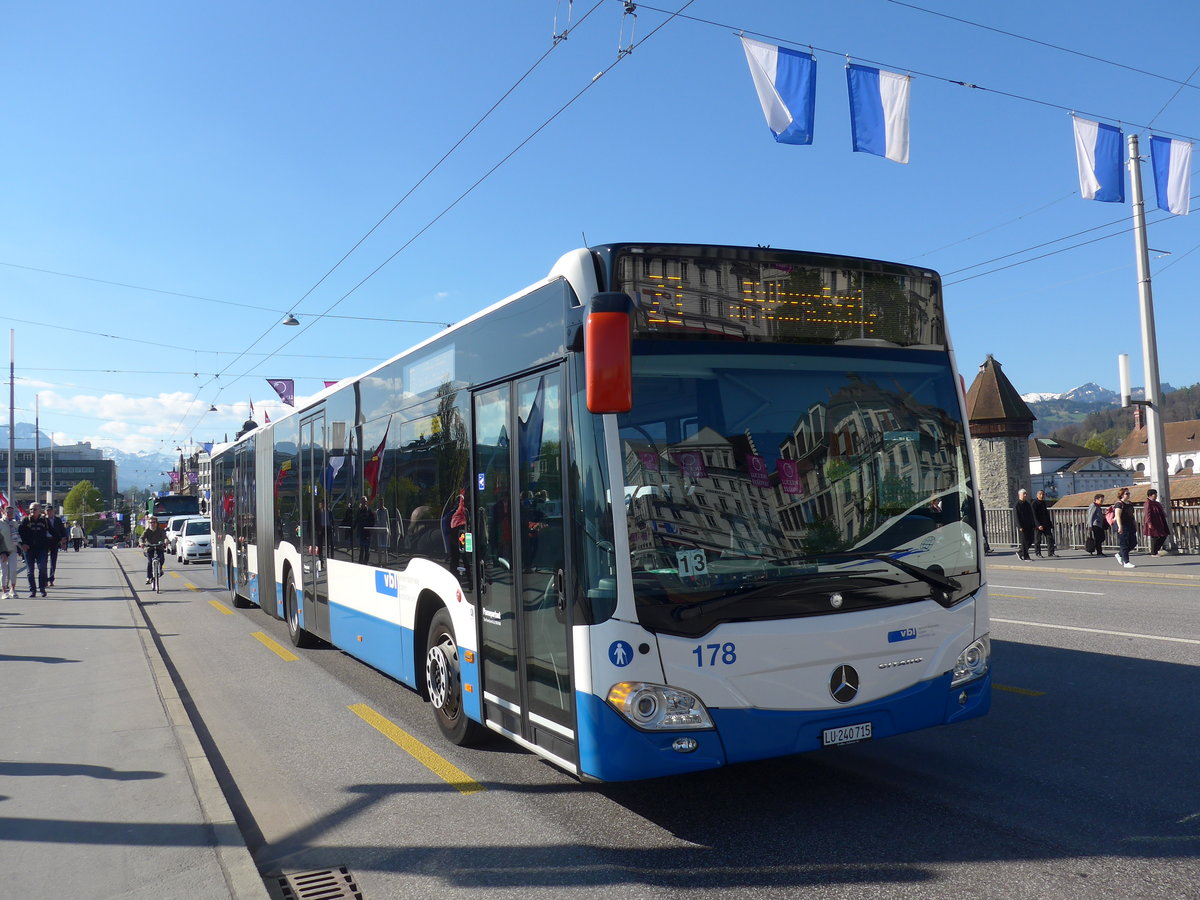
(245,525)
(520,561)
(314,524)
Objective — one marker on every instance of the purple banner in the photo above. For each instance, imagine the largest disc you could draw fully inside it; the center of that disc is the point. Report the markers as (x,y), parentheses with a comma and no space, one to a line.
(789,476)
(760,475)
(285,388)
(649,460)
(691,462)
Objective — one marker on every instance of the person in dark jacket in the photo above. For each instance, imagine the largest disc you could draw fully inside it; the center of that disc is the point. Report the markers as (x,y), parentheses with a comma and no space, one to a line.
(1044,525)
(364,523)
(1126,528)
(1154,522)
(35,537)
(1098,524)
(58,539)
(1026,524)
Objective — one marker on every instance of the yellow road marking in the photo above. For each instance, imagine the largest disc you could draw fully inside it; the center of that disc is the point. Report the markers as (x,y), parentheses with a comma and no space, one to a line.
(443,768)
(190,586)
(1015,596)
(174,574)
(1018,690)
(278,649)
(220,607)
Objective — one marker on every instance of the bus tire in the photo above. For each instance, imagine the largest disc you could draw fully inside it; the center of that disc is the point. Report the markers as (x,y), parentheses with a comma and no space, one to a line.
(238,601)
(443,681)
(291,609)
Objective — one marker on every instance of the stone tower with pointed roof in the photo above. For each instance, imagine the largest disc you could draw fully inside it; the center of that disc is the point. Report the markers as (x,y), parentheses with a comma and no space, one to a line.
(1001,423)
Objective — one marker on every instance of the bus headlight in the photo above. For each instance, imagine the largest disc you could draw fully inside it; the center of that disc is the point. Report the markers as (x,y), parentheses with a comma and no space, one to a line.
(973,662)
(655,707)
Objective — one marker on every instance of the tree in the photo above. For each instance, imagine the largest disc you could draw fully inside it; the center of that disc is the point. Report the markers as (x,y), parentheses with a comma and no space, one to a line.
(82,503)
(1097,445)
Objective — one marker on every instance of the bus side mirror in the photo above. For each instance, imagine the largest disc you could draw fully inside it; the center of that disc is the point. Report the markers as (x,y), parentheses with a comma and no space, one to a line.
(608,353)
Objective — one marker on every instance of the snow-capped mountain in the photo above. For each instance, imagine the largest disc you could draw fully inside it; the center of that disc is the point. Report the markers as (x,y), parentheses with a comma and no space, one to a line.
(137,470)
(1090,393)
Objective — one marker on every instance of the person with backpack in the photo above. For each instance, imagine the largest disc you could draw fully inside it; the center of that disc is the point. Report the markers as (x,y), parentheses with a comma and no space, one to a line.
(1098,525)
(1126,525)
(1154,522)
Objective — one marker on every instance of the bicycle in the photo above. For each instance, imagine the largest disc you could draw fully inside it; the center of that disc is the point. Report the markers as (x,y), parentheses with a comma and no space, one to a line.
(154,552)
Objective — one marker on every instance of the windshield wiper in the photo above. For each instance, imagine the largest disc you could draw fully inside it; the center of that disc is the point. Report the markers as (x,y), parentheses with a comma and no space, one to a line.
(744,592)
(929,576)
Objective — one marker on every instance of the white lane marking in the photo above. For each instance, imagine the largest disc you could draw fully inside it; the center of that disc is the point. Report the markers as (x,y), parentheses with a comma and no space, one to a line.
(1148,637)
(1013,587)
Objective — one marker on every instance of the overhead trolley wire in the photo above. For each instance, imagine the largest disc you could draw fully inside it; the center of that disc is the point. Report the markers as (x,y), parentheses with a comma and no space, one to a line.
(557,39)
(462,196)
(1047,44)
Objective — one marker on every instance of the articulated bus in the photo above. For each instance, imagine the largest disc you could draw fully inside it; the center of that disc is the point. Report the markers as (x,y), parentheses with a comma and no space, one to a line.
(670,508)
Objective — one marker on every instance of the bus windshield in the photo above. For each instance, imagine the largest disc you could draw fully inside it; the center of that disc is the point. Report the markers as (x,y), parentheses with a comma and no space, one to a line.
(769,482)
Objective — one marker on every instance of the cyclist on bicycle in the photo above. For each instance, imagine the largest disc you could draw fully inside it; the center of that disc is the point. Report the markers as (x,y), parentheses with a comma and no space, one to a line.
(154,539)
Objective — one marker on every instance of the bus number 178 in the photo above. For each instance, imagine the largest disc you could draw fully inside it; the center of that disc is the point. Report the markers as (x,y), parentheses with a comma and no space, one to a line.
(724,653)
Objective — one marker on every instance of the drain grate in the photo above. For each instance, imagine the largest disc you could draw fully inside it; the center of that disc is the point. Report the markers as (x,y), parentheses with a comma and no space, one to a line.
(323,884)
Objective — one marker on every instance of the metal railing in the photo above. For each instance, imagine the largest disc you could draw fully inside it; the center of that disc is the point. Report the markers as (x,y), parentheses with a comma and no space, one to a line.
(1071,528)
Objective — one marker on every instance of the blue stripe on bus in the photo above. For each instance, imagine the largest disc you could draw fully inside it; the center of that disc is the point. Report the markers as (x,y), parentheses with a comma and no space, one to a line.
(385,645)
(613,750)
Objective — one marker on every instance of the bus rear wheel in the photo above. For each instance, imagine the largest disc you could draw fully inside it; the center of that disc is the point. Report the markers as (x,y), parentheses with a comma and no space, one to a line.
(291,608)
(235,598)
(443,680)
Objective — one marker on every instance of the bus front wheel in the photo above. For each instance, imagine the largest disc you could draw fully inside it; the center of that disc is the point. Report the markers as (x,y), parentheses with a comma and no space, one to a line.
(443,679)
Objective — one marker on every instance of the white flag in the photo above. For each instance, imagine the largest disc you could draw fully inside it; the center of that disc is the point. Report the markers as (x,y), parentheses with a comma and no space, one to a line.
(1098,152)
(1172,162)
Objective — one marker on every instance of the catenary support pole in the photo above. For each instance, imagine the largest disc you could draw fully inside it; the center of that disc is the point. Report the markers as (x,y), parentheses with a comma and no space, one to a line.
(1155,442)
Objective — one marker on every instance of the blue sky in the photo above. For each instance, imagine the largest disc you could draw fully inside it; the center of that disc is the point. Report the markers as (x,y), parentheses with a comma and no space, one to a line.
(237,151)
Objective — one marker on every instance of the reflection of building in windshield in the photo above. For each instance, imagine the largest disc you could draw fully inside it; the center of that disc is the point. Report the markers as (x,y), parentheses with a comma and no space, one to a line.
(698,493)
(866,455)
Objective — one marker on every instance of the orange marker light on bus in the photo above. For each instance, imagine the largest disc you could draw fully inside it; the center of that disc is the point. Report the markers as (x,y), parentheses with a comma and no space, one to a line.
(608,353)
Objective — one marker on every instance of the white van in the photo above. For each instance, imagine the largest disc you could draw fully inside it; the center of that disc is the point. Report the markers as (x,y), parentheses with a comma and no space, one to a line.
(194,541)
(174,526)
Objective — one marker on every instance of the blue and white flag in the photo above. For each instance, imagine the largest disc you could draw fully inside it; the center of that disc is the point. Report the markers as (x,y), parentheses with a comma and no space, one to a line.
(1172,173)
(786,82)
(879,111)
(1099,150)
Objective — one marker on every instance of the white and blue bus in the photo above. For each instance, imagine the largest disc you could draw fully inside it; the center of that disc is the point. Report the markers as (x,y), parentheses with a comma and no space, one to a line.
(671,507)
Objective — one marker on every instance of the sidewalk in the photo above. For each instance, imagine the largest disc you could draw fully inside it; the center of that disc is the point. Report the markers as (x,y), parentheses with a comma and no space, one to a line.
(105,790)
(1074,562)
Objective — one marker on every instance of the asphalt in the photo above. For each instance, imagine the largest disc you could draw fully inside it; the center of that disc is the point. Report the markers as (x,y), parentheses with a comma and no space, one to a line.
(105,788)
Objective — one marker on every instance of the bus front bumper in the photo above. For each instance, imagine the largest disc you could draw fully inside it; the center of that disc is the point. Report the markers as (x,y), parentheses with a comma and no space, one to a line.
(611,749)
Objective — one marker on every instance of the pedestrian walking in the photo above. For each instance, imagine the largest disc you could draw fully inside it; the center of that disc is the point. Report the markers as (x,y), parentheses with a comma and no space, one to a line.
(1044,525)
(8,555)
(1126,525)
(1025,524)
(1154,522)
(8,564)
(77,535)
(1098,526)
(34,532)
(58,539)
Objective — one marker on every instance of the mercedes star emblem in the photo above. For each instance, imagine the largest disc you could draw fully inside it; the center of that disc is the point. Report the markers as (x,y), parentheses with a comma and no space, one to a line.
(843,684)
